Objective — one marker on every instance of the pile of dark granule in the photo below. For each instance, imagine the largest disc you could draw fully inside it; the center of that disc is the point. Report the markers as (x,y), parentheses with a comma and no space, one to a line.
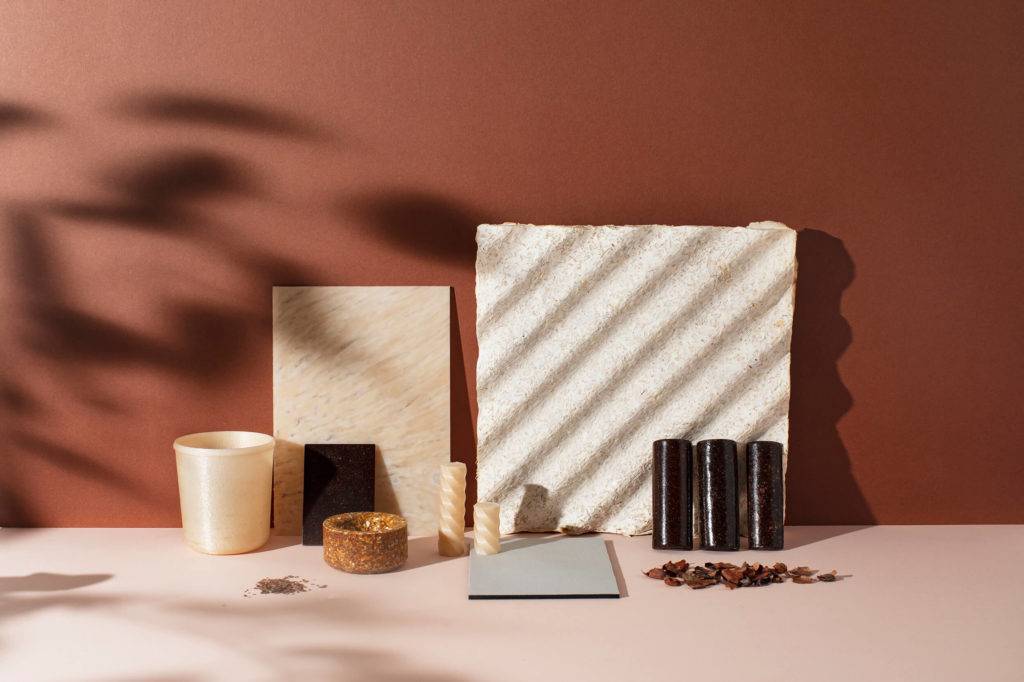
(290,584)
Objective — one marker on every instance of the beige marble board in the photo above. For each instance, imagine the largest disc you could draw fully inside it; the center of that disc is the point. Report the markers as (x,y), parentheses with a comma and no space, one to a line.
(596,341)
(363,365)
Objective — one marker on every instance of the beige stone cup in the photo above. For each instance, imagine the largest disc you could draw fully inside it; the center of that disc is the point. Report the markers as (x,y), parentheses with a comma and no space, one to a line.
(224,485)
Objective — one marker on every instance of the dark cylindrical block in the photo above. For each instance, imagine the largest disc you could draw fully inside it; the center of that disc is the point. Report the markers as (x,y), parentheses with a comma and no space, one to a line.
(673,494)
(765,494)
(719,495)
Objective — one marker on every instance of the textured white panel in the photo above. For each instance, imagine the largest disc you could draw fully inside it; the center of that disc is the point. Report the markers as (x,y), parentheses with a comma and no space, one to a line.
(596,341)
(363,365)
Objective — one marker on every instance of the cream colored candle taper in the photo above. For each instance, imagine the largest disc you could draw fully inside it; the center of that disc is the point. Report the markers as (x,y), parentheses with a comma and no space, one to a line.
(487,539)
(451,530)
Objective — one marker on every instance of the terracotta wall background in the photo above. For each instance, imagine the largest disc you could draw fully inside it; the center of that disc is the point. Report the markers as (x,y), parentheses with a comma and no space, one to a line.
(163,164)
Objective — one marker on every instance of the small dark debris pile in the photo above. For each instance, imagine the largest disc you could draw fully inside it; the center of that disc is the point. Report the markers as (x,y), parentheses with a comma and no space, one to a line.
(290,584)
(678,573)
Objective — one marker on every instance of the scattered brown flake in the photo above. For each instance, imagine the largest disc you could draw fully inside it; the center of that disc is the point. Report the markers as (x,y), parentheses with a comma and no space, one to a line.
(802,571)
(290,584)
(696,582)
(731,576)
(677,567)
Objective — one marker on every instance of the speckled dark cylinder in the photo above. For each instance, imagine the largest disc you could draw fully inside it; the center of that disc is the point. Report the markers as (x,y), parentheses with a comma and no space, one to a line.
(765,495)
(719,495)
(672,493)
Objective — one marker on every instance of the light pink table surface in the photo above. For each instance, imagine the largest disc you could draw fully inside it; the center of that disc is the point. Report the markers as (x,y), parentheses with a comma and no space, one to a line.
(924,603)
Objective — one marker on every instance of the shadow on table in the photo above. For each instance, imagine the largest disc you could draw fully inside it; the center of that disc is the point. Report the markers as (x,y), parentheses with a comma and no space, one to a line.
(278,542)
(617,569)
(801,536)
(49,582)
(423,552)
(520,542)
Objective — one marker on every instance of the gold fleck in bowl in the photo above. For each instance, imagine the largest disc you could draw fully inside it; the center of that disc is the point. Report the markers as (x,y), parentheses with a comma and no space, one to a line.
(366,542)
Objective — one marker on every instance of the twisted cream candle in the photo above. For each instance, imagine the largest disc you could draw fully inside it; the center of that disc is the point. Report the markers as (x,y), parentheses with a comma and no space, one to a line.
(451,530)
(487,539)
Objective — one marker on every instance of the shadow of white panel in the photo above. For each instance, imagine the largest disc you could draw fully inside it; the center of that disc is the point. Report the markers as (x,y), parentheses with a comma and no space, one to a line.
(597,341)
(363,365)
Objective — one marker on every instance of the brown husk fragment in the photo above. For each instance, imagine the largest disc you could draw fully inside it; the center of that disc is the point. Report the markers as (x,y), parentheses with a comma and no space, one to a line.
(802,571)
(696,582)
(731,576)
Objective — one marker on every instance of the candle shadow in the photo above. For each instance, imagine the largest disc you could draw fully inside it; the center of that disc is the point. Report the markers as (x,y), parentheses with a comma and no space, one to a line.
(423,552)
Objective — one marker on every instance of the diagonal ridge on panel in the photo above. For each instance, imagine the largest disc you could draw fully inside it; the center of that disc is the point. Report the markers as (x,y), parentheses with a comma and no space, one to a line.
(629,335)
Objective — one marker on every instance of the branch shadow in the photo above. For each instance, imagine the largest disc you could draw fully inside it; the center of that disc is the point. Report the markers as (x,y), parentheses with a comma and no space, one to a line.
(49,582)
(417,222)
(196,109)
(160,191)
(434,228)
(14,115)
(250,630)
(65,458)
(821,487)
(165,192)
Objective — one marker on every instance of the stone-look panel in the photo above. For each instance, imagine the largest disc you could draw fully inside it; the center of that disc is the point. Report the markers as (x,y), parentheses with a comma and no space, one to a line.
(363,365)
(597,341)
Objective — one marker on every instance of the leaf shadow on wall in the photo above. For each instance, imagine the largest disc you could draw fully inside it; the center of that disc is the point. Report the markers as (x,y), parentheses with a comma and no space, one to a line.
(19,116)
(437,229)
(199,109)
(420,223)
(153,194)
(820,485)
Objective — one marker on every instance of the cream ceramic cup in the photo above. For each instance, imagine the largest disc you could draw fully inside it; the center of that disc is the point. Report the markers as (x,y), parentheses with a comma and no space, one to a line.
(224,484)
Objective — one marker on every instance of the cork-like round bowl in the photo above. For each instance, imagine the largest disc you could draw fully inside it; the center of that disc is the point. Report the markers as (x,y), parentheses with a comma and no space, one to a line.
(366,542)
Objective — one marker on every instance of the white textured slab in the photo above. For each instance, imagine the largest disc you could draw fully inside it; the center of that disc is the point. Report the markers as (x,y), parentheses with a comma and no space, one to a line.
(543,568)
(596,341)
(363,365)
